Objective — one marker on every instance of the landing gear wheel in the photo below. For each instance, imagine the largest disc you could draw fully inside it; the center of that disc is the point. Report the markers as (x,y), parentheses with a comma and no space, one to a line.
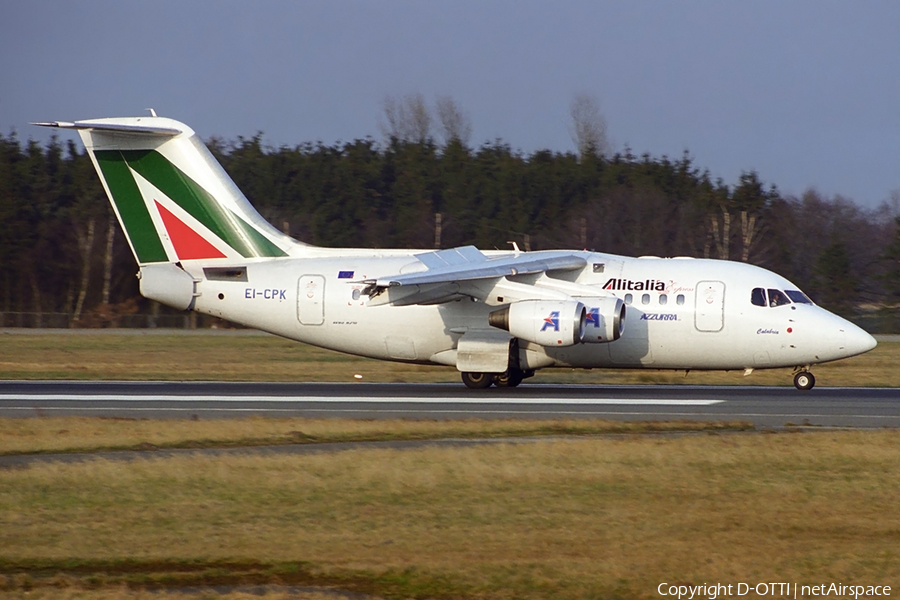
(477,381)
(804,380)
(511,378)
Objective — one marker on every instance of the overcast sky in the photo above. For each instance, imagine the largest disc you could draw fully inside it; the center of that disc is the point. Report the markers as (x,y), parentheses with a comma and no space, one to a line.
(806,92)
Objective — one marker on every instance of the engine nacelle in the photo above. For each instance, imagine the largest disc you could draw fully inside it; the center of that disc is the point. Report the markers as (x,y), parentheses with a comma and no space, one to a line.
(604,320)
(544,322)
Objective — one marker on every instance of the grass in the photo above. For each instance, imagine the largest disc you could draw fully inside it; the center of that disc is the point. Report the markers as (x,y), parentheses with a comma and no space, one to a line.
(571,514)
(268,358)
(574,518)
(179,357)
(90,434)
(62,590)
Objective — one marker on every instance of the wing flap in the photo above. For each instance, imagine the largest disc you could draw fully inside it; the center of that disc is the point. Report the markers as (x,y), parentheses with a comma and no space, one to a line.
(415,294)
(451,257)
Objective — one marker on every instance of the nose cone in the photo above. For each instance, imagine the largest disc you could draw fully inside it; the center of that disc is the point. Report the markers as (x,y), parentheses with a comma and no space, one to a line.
(828,337)
(856,340)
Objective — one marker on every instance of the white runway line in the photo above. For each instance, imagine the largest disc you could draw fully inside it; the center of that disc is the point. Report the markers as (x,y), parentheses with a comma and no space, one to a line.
(345,399)
(439,411)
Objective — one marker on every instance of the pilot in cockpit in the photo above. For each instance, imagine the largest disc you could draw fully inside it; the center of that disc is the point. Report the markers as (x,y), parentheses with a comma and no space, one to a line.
(776,298)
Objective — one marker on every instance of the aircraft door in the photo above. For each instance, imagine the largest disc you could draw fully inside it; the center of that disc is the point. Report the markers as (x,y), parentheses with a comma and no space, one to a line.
(709,309)
(311,300)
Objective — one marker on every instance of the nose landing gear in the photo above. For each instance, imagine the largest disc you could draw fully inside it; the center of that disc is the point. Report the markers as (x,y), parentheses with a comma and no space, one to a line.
(804,380)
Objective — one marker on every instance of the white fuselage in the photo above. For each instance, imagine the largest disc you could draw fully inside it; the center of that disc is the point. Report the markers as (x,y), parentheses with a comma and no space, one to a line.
(680,313)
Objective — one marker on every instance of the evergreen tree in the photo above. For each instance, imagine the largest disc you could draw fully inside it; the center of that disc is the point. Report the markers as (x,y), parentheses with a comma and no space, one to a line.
(891,276)
(835,287)
(365,194)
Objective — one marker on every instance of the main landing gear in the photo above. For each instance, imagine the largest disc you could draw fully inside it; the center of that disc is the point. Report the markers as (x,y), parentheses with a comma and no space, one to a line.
(510,378)
(477,381)
(804,380)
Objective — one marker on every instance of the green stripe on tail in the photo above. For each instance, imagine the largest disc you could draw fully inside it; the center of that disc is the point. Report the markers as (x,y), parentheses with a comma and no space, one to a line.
(200,204)
(184,191)
(132,209)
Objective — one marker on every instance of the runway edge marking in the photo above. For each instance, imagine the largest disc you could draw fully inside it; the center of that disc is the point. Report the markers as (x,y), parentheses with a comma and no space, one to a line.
(348,399)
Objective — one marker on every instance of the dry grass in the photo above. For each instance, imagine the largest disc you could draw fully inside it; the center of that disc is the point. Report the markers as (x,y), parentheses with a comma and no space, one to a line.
(268,358)
(192,357)
(581,518)
(90,434)
(574,518)
(124,593)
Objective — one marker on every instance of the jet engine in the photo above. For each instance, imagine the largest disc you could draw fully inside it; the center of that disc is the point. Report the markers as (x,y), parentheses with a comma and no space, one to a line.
(604,320)
(544,322)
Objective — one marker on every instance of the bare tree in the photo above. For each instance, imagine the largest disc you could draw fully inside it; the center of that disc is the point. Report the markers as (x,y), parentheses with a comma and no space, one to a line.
(455,124)
(721,235)
(108,258)
(751,228)
(85,248)
(407,119)
(588,128)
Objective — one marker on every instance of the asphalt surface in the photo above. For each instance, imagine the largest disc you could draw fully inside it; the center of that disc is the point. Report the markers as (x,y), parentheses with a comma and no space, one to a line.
(765,407)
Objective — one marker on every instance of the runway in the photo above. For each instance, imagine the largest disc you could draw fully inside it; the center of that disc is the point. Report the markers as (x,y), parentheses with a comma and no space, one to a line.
(765,407)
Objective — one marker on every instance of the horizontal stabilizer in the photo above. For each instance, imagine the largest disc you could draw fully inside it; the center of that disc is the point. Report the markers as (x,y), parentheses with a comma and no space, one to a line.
(126,128)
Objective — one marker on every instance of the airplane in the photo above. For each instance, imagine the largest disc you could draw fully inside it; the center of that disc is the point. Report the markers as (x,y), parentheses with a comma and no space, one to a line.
(496,316)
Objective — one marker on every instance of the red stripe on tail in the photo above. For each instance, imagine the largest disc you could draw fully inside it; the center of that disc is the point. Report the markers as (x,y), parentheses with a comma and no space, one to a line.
(189,245)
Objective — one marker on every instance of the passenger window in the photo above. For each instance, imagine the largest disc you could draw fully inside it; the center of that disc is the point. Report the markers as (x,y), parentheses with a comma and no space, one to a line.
(758,297)
(628,298)
(663,299)
(355,294)
(777,298)
(679,299)
(645,299)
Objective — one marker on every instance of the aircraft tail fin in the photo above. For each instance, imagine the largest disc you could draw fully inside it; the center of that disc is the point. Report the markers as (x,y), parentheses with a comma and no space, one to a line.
(173,200)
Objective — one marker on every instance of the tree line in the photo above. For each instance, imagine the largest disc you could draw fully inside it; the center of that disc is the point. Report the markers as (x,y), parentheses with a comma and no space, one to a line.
(61,250)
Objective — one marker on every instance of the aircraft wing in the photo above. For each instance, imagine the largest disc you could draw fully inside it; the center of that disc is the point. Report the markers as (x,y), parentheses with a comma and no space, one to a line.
(447,269)
(467,263)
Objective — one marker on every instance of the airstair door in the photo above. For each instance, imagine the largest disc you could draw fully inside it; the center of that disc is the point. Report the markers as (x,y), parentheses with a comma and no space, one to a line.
(311,300)
(709,309)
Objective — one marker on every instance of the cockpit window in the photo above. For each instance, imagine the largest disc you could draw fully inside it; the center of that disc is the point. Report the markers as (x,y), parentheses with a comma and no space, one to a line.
(778,298)
(773,297)
(758,297)
(798,296)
